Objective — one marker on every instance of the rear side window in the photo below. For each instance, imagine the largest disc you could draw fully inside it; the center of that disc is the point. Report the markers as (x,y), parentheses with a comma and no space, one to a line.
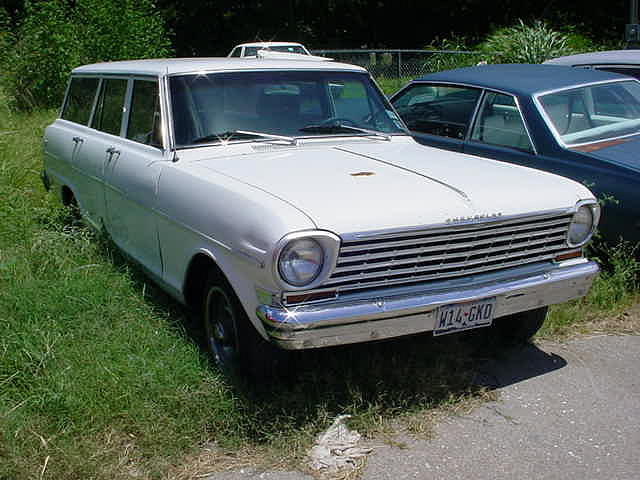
(108,116)
(144,120)
(82,92)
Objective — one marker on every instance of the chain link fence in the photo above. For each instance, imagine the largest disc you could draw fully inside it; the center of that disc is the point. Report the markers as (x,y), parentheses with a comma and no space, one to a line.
(393,68)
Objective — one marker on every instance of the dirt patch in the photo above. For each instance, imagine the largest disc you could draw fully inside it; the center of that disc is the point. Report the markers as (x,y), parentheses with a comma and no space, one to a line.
(626,322)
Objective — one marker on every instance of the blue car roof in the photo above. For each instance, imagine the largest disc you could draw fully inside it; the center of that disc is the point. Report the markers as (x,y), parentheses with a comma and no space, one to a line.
(521,79)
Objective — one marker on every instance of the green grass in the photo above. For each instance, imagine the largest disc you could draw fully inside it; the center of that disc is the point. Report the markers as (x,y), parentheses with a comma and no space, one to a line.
(614,290)
(391,85)
(101,375)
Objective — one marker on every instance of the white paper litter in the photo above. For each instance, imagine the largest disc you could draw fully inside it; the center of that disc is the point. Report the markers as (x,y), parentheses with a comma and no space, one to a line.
(336,449)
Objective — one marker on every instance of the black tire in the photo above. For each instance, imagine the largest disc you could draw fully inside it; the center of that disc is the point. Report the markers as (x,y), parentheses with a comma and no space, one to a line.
(232,341)
(519,328)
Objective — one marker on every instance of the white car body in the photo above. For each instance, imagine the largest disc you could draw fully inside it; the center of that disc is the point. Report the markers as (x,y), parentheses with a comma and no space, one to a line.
(236,204)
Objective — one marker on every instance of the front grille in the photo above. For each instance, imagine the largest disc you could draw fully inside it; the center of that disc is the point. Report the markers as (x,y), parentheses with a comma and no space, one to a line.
(449,252)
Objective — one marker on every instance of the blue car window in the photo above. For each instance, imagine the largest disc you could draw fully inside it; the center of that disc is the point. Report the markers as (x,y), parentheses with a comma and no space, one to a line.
(593,113)
(441,110)
(500,123)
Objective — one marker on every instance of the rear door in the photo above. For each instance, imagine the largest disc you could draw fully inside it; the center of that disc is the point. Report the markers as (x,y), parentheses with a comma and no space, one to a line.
(67,141)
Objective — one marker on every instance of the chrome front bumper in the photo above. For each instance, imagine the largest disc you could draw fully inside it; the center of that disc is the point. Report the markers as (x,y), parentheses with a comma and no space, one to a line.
(396,313)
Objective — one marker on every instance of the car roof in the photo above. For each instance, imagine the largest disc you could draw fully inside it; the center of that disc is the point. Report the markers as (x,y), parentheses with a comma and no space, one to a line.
(522,79)
(171,66)
(268,44)
(617,57)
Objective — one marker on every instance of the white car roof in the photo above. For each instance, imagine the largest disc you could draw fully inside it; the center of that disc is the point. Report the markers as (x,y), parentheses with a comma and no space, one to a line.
(269,44)
(172,66)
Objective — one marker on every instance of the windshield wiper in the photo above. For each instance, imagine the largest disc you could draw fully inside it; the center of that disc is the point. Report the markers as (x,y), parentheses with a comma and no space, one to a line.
(341,127)
(270,136)
(225,136)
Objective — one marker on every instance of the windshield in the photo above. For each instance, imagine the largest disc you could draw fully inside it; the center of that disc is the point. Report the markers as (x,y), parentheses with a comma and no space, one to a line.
(210,108)
(288,49)
(594,113)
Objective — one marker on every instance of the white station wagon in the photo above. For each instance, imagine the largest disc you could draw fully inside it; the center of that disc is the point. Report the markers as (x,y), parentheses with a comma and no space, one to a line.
(285,201)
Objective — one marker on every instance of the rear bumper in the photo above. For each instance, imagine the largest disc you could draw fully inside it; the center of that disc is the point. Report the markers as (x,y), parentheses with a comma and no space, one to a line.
(394,314)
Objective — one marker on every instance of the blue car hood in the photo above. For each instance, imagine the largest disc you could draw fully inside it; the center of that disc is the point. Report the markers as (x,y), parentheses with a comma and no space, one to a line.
(625,152)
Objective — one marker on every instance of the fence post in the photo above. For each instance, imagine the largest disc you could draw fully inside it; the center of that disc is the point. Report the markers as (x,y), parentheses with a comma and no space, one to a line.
(399,65)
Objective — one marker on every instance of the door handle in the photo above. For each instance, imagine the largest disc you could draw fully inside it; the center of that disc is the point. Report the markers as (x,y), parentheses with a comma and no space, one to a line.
(111,151)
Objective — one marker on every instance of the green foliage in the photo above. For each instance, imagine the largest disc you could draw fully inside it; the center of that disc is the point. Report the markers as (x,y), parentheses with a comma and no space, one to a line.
(449,59)
(616,287)
(58,35)
(524,43)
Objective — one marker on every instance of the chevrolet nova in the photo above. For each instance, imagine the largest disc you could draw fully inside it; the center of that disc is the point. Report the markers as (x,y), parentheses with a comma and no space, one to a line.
(286,203)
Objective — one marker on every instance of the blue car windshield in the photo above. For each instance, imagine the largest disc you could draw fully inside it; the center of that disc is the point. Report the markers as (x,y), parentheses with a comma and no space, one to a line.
(210,108)
(593,113)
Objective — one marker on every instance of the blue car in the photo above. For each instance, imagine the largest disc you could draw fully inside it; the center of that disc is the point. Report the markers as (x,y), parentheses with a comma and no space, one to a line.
(579,123)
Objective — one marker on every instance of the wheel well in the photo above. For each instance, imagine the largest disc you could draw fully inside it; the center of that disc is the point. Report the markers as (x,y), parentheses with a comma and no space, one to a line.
(197,273)
(68,198)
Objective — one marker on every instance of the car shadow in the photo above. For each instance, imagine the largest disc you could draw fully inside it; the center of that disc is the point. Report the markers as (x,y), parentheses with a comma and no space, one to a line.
(516,364)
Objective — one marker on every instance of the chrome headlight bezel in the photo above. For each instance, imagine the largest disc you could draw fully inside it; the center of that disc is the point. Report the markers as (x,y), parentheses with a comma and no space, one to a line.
(591,208)
(330,246)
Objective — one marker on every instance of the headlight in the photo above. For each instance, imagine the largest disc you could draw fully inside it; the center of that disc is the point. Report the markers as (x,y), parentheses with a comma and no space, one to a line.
(583,224)
(301,261)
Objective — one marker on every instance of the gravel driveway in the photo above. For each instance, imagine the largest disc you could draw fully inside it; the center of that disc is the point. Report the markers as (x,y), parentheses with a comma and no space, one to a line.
(569,411)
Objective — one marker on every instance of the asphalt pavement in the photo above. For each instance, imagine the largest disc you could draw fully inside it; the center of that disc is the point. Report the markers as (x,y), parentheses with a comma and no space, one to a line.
(565,411)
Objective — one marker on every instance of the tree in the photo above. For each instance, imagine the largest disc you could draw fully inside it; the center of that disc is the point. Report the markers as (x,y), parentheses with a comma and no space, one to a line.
(57,35)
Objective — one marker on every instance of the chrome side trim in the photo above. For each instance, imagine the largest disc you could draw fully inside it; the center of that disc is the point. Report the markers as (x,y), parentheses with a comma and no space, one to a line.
(378,317)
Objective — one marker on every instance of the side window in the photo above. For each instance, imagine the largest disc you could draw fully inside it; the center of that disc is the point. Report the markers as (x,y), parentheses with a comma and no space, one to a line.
(82,92)
(144,118)
(500,123)
(108,116)
(438,109)
(235,52)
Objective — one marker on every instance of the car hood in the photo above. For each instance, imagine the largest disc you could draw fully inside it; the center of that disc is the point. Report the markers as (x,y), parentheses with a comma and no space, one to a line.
(624,151)
(364,186)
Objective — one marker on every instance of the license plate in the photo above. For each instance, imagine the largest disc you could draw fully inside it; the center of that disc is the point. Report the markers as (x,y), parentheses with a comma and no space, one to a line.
(464,316)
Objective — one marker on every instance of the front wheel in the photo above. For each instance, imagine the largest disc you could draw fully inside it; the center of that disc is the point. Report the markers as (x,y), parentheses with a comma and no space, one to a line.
(520,327)
(232,341)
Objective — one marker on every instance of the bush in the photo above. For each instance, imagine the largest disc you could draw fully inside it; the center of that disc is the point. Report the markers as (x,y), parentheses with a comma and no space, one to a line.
(447,59)
(525,44)
(58,35)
